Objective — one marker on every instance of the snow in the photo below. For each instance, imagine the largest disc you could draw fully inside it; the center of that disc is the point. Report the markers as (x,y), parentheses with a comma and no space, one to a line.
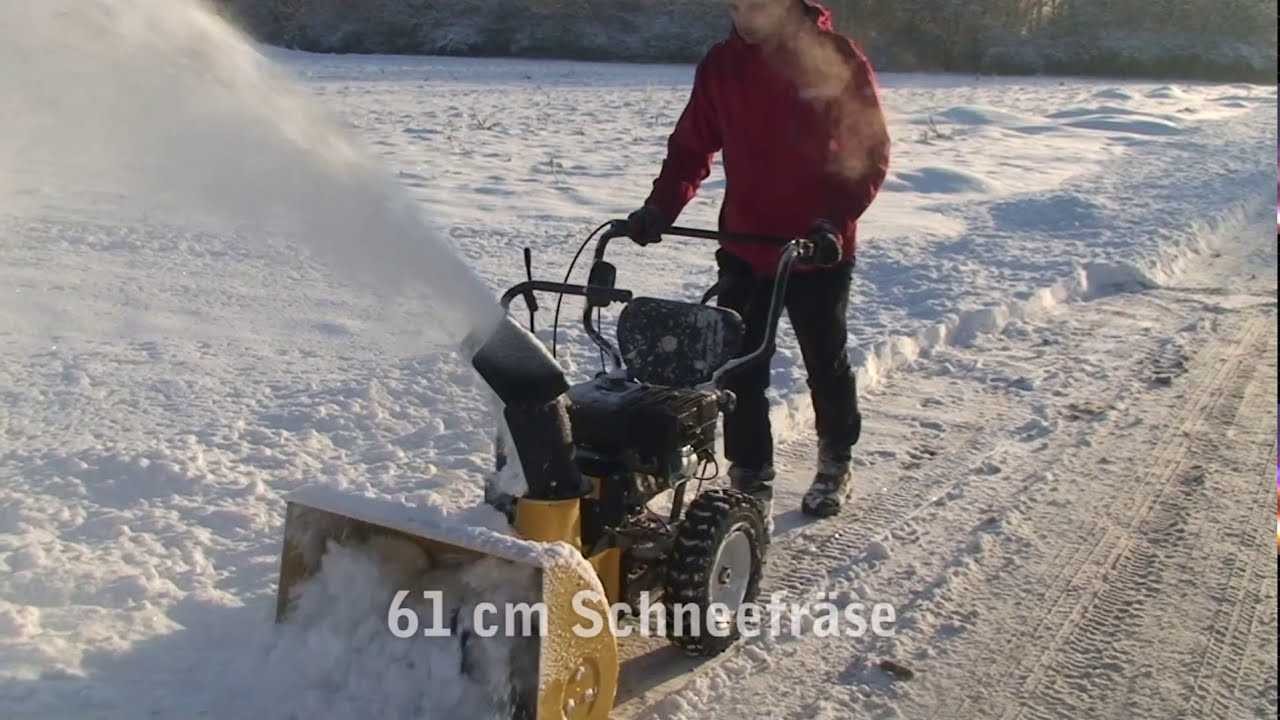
(212,298)
(1113,561)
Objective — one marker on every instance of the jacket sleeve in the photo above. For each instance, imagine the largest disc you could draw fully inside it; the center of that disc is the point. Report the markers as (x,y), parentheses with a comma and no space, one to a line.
(690,149)
(859,161)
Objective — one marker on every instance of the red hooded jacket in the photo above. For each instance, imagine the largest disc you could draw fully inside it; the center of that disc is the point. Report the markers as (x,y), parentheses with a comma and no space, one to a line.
(802,134)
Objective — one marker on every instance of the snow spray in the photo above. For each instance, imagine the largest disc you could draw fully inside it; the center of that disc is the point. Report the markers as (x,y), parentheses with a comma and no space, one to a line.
(161,109)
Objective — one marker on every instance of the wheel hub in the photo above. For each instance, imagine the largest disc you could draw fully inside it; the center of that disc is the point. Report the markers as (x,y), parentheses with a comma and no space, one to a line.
(732,565)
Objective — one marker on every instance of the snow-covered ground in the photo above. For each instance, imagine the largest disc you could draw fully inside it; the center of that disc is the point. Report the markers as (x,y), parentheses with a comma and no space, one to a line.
(1068,516)
(1062,536)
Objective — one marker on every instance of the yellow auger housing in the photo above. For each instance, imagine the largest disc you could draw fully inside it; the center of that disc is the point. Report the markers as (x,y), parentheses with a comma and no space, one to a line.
(577,655)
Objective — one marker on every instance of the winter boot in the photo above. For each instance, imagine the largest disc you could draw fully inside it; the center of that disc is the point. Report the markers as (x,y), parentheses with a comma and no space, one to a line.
(758,484)
(831,484)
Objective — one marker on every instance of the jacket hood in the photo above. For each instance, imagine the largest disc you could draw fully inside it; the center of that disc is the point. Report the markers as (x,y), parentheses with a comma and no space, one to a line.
(818,13)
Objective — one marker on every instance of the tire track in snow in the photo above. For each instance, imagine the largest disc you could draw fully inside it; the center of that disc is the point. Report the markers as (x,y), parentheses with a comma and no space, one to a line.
(1134,568)
(1222,666)
(1217,682)
(809,560)
(1082,594)
(1066,600)
(803,562)
(1076,455)
(1046,610)
(1074,563)
(821,552)
(833,551)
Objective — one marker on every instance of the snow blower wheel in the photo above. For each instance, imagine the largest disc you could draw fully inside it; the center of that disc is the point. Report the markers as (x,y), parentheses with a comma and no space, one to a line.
(714,569)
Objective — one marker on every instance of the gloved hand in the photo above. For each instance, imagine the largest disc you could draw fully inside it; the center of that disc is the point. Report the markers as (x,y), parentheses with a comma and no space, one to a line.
(826,243)
(645,226)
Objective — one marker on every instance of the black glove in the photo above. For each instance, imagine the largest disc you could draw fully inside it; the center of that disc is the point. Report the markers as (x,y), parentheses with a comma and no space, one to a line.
(645,226)
(824,244)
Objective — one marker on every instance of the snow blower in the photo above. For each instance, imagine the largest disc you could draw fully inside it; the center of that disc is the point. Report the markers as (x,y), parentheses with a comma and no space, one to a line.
(592,457)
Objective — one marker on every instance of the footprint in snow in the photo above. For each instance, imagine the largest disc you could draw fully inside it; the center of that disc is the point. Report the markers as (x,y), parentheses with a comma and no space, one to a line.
(933,425)
(918,455)
(988,468)
(1083,412)
(1034,429)
(881,455)
(332,328)
(1168,361)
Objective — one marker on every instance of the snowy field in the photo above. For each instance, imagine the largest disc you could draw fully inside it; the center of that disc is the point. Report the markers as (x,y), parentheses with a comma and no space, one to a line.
(1065,326)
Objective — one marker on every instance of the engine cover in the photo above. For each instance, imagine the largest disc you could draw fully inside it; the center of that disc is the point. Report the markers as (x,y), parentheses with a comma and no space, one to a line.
(613,416)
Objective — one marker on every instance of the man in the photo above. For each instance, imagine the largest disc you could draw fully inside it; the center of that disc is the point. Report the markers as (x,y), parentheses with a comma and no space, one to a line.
(794,108)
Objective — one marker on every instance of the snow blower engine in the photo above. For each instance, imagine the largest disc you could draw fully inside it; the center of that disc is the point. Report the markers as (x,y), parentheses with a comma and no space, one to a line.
(590,460)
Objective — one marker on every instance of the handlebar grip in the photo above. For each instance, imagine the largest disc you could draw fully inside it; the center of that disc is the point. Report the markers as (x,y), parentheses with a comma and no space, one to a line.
(728,236)
(618,228)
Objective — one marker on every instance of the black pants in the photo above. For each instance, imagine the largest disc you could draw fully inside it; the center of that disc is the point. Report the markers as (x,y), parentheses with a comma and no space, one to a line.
(816,303)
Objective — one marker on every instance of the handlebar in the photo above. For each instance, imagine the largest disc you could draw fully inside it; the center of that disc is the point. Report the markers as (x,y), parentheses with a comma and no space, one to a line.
(618,228)
(600,291)
(591,292)
(792,250)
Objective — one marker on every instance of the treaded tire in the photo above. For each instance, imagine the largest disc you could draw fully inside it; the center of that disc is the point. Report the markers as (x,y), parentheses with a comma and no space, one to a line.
(712,517)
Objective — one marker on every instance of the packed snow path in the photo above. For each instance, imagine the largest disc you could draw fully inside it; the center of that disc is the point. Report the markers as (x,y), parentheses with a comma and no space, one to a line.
(1071,518)
(161,385)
